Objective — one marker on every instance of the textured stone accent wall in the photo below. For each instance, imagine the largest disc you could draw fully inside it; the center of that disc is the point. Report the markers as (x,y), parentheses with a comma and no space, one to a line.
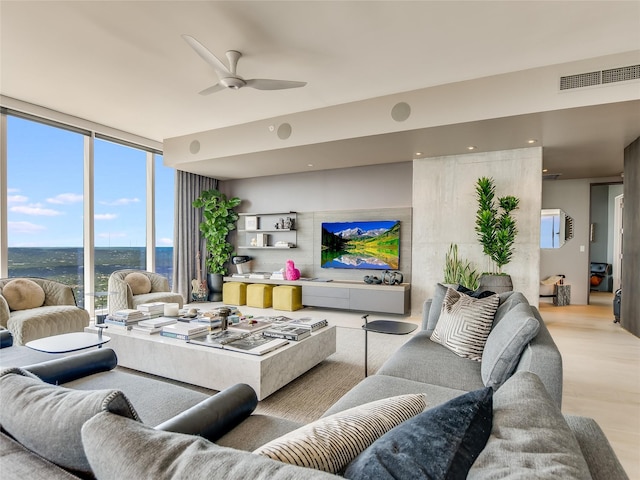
(630,308)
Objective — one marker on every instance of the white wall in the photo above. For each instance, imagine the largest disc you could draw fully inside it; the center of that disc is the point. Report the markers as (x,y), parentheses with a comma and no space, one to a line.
(444,208)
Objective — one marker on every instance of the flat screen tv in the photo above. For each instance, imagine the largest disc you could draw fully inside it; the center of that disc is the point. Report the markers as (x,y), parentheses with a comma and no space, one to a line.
(366,245)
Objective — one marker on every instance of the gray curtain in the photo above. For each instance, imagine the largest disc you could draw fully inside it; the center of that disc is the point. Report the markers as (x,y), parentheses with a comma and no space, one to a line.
(187,241)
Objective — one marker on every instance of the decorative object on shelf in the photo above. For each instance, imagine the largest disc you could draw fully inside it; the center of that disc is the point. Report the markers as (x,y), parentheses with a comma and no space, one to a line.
(372,280)
(458,271)
(251,223)
(219,219)
(262,240)
(289,223)
(392,278)
(291,272)
(242,263)
(199,291)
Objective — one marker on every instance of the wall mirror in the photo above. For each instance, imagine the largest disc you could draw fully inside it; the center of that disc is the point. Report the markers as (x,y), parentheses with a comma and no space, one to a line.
(556,227)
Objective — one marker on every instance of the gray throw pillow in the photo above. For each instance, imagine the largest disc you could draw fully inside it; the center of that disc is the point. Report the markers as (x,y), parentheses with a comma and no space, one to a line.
(530,438)
(440,443)
(436,306)
(505,344)
(119,448)
(47,419)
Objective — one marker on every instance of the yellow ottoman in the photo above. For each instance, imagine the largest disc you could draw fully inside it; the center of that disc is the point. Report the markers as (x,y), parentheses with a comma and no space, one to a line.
(234,293)
(287,297)
(259,295)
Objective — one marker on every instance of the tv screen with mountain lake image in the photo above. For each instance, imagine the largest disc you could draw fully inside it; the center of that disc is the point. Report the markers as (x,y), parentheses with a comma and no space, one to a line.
(366,245)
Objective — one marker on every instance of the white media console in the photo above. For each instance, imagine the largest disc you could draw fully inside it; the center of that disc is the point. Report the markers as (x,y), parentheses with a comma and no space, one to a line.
(346,295)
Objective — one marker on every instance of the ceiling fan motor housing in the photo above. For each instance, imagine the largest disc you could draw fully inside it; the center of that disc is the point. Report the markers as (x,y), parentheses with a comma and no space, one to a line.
(233,82)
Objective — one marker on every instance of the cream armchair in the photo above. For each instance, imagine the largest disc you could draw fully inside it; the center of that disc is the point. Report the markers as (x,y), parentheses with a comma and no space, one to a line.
(130,288)
(32,308)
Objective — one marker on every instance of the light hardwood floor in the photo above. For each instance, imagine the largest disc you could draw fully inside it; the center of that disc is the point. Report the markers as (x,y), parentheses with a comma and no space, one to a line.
(601,372)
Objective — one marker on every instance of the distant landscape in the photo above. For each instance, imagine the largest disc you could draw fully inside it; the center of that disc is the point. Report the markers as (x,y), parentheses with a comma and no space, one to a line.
(66,264)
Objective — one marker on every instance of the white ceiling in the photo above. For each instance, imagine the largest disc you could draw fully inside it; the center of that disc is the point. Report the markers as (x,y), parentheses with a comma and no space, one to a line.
(124,64)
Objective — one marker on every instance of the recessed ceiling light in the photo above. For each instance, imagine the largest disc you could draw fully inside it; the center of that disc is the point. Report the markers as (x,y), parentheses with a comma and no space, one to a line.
(471,147)
(532,140)
(545,170)
(309,164)
(418,154)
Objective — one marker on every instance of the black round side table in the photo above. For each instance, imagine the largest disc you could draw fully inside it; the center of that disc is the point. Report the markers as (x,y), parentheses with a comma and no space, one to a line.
(389,327)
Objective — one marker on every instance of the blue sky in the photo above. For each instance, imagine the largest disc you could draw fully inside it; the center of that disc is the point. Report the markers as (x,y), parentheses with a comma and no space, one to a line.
(45,190)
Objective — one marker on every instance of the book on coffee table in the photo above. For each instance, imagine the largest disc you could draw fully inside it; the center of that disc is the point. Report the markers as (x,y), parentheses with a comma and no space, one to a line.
(184,331)
(218,339)
(251,325)
(256,344)
(288,332)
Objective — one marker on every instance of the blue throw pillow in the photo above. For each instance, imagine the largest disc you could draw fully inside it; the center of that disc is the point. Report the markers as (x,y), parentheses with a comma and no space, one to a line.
(440,443)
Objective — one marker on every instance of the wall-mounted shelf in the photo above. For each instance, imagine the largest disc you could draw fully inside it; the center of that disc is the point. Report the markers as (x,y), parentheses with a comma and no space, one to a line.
(264,230)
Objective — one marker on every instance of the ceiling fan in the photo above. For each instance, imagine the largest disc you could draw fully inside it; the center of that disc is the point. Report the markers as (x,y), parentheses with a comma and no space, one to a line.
(228,78)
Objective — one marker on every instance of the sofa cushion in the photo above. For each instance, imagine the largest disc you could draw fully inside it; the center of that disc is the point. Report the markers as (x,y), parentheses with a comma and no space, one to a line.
(138,282)
(529,438)
(440,443)
(505,344)
(436,304)
(330,443)
(465,323)
(47,419)
(422,360)
(23,294)
(119,448)
(508,300)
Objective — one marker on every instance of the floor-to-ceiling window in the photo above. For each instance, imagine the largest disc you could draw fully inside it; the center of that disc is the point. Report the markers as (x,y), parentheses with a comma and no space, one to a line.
(53,173)
(164,214)
(44,202)
(119,209)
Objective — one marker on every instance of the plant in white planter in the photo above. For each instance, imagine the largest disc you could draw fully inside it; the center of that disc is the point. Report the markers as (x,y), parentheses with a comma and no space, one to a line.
(219,218)
(495,227)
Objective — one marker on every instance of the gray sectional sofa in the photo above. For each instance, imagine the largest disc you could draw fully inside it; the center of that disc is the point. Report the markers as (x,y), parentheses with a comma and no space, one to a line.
(526,437)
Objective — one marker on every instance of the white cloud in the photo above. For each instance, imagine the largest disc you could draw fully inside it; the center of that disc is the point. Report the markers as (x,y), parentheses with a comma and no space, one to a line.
(121,201)
(105,216)
(164,242)
(24,227)
(17,199)
(13,190)
(65,198)
(112,235)
(35,209)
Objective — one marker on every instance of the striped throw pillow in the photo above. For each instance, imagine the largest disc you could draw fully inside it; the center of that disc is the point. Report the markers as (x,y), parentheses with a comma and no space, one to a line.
(465,323)
(331,443)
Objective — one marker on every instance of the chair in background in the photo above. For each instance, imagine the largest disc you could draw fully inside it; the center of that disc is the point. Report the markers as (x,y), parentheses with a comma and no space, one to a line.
(32,308)
(130,288)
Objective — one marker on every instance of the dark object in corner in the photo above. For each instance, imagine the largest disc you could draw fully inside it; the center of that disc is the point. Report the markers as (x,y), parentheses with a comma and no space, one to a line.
(6,338)
(617,301)
(475,293)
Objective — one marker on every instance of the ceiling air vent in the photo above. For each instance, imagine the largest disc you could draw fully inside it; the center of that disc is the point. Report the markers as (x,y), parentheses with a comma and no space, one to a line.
(612,75)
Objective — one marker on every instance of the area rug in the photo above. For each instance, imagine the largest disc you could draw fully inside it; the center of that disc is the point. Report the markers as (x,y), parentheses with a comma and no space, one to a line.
(309,396)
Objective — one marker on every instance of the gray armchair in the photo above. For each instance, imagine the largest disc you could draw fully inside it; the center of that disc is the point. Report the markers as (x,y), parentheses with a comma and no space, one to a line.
(124,291)
(28,317)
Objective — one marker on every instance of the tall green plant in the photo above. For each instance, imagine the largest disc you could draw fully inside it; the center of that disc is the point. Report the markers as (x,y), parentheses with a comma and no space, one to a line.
(459,271)
(219,219)
(495,227)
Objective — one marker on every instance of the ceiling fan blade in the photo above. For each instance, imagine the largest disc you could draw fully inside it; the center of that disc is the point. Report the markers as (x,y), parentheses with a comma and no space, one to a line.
(220,68)
(266,84)
(215,88)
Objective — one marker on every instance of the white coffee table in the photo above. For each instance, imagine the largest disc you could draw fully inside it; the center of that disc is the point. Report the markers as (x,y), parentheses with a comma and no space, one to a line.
(218,369)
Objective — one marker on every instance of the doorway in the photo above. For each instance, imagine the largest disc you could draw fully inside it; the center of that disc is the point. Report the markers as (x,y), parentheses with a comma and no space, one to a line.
(604,242)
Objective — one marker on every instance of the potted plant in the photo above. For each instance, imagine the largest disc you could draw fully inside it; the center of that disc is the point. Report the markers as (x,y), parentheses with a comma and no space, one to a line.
(496,230)
(219,218)
(458,271)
